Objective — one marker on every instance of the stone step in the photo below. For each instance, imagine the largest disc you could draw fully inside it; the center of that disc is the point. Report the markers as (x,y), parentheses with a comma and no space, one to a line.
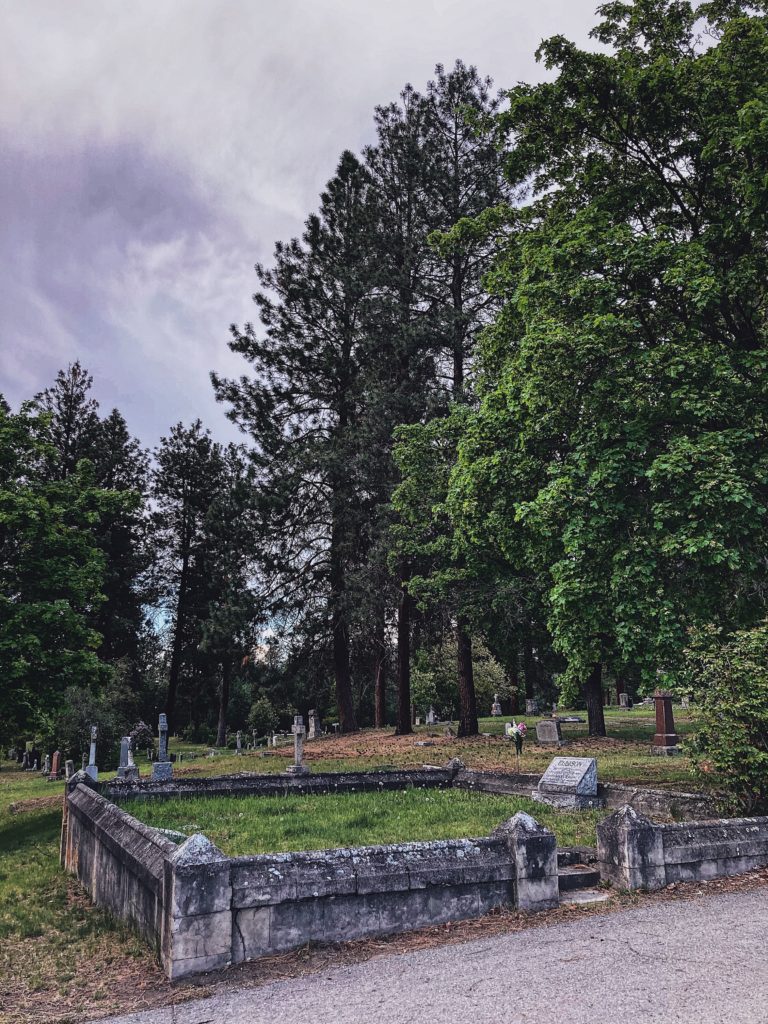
(585,896)
(577,876)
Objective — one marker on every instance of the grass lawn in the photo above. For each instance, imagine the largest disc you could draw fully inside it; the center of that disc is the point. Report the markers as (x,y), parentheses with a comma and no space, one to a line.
(273,824)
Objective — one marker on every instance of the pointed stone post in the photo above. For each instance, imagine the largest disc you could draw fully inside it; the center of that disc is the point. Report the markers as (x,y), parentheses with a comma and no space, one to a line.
(630,851)
(197,912)
(533,850)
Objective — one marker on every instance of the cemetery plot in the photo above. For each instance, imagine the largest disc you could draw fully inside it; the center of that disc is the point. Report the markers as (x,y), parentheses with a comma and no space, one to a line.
(267,824)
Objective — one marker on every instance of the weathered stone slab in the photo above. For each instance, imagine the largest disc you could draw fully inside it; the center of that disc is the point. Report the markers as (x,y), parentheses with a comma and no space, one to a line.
(569,782)
(549,733)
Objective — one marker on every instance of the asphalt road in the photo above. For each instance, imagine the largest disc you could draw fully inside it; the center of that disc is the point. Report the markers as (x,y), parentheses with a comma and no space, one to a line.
(703,961)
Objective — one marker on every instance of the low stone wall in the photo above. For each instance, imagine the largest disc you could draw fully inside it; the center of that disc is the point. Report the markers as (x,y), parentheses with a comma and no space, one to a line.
(665,803)
(636,853)
(253,784)
(203,910)
(119,860)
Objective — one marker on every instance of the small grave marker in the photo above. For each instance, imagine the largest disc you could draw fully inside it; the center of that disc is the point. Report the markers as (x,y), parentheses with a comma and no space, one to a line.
(90,769)
(569,782)
(161,769)
(299,732)
(496,706)
(549,733)
(127,769)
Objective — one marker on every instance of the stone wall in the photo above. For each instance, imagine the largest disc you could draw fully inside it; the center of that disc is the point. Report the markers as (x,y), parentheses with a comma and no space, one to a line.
(202,910)
(253,784)
(635,853)
(119,860)
(662,802)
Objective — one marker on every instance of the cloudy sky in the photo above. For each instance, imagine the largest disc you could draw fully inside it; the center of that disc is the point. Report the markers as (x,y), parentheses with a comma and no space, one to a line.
(151,151)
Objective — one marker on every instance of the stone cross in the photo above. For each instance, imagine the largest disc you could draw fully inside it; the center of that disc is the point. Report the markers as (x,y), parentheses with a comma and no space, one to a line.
(91,769)
(162,729)
(299,732)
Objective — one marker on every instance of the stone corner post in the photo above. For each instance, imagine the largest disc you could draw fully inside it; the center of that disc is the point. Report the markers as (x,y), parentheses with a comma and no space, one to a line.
(533,850)
(196,928)
(630,850)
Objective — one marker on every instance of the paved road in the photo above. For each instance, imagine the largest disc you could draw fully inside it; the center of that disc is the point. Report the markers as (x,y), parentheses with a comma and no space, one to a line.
(703,961)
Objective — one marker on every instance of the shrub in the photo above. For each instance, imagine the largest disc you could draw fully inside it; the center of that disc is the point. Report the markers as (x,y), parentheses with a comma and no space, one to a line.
(729,679)
(263,716)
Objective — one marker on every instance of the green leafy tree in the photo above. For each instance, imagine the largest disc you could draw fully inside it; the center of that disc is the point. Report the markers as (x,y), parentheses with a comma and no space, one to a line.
(51,574)
(619,454)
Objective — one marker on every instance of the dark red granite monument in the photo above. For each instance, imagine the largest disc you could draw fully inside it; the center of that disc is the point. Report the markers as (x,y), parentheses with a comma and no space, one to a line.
(666,740)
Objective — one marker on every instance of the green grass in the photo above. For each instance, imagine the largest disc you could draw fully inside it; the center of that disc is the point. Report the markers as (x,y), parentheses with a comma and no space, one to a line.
(45,933)
(249,825)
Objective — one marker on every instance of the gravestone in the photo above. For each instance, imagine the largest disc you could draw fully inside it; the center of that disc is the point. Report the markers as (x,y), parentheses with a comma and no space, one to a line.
(685,702)
(431,716)
(531,707)
(161,768)
(69,769)
(549,733)
(666,740)
(84,762)
(624,701)
(90,769)
(25,760)
(54,772)
(315,725)
(298,730)
(569,782)
(47,765)
(127,769)
(496,706)
(255,739)
(239,742)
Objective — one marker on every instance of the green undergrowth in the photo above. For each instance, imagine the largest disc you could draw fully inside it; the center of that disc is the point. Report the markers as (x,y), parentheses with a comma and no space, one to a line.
(275,824)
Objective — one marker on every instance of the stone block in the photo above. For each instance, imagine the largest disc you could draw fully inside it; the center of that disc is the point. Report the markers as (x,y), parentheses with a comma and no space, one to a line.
(630,851)
(533,849)
(162,771)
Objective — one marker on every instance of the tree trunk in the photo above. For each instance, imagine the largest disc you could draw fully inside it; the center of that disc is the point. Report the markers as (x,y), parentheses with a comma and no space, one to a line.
(528,668)
(340,630)
(404,726)
(514,685)
(467,702)
(380,682)
(593,691)
(226,675)
(178,641)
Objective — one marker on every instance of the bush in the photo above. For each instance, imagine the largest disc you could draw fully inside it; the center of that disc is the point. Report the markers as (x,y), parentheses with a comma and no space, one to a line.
(263,716)
(729,680)
(81,710)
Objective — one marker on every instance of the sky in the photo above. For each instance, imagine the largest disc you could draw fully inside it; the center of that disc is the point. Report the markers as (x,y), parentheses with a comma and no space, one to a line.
(152,151)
